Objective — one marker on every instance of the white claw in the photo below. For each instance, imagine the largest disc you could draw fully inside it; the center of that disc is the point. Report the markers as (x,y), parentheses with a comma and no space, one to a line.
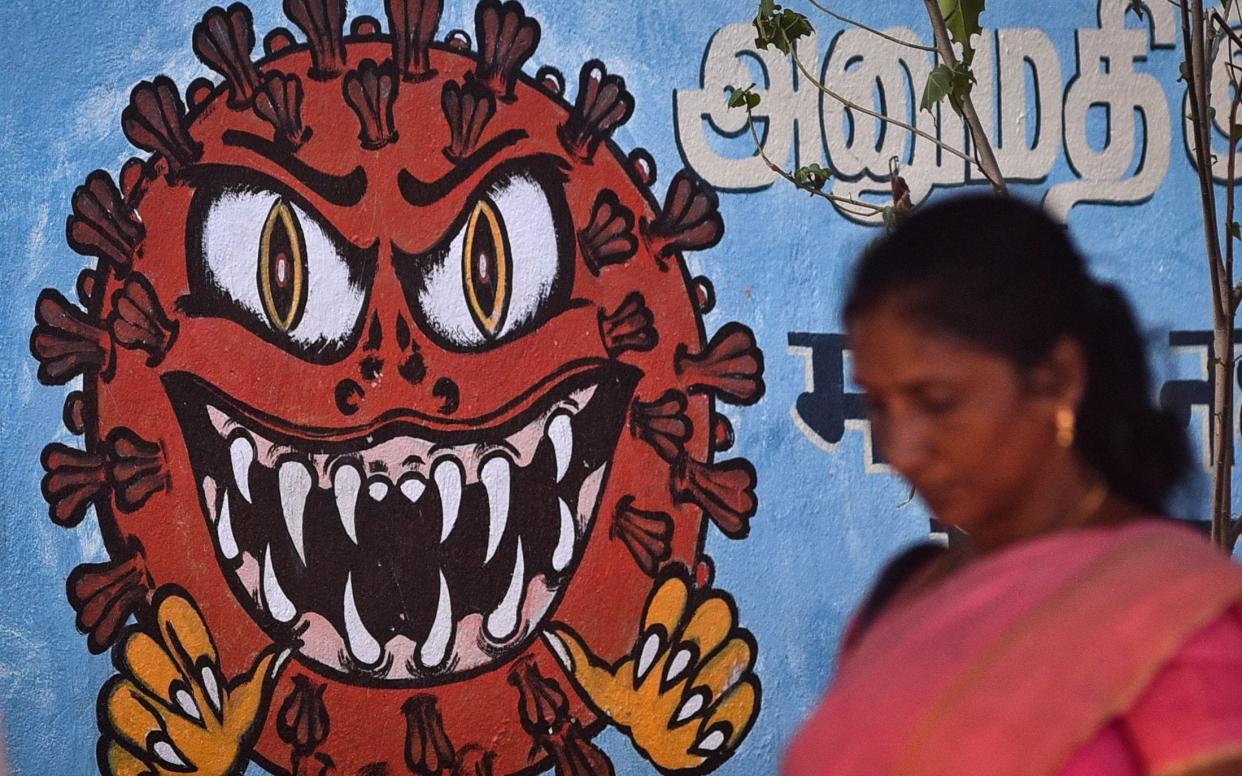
(295,485)
(691,707)
(447,475)
(561,432)
(346,483)
(241,453)
(224,531)
(711,742)
(564,551)
(495,477)
(362,645)
(413,488)
(435,646)
(651,648)
(503,621)
(277,603)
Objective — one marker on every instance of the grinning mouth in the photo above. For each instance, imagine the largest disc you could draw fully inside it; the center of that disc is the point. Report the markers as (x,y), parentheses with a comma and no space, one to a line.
(399,553)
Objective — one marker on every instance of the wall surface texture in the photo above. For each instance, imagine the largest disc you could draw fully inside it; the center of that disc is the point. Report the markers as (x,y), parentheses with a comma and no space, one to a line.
(459,393)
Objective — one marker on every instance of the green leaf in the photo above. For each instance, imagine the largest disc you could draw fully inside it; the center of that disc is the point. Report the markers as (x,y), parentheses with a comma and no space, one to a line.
(1235,231)
(890,217)
(743,98)
(779,27)
(1137,7)
(1211,113)
(944,81)
(1183,71)
(1236,134)
(812,176)
(961,17)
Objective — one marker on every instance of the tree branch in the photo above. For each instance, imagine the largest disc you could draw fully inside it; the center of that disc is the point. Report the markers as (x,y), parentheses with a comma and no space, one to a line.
(871,30)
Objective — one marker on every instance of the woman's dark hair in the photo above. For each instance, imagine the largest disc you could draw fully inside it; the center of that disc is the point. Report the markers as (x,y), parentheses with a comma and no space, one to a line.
(1001,275)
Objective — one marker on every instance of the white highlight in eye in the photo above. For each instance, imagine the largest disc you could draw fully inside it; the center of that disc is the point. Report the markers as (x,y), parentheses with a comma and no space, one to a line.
(232,230)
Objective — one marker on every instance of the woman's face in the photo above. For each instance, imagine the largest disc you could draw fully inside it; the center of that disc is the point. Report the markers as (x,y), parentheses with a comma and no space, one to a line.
(960,423)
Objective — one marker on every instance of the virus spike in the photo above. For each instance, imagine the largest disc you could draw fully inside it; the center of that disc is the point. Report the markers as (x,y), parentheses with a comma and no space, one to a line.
(279,103)
(303,721)
(278,40)
(575,755)
(365,27)
(629,327)
(731,365)
(725,490)
(428,750)
(467,107)
(663,424)
(646,534)
(458,40)
(67,342)
(413,24)
(138,321)
(155,121)
(133,173)
(643,165)
(474,760)
(104,595)
(601,105)
(507,38)
(704,295)
(704,572)
(542,705)
(198,92)
(722,434)
(323,23)
(690,219)
(77,414)
(609,237)
(223,40)
(371,91)
(102,225)
(551,79)
(74,479)
(135,468)
(86,286)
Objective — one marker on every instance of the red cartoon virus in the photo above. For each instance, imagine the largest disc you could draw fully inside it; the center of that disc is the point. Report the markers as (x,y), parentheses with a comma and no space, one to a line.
(391,360)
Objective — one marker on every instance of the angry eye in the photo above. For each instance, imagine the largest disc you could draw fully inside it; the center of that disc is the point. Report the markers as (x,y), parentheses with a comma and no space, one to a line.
(260,258)
(501,269)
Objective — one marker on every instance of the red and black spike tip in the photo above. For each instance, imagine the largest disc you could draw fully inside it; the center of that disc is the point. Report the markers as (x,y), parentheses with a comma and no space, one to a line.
(413,24)
(704,295)
(223,40)
(663,424)
(85,286)
(643,165)
(155,120)
(428,750)
(647,535)
(544,712)
(138,321)
(724,490)
(371,91)
(731,366)
(609,237)
(104,595)
(323,23)
(474,760)
(458,40)
(303,722)
(278,40)
(629,327)
(507,38)
(722,434)
(133,173)
(468,107)
(77,414)
(365,27)
(67,342)
(601,105)
(279,103)
(689,220)
(551,80)
(198,93)
(136,468)
(74,479)
(102,224)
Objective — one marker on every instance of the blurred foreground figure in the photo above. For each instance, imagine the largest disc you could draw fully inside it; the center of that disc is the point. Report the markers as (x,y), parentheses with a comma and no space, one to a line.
(1074,631)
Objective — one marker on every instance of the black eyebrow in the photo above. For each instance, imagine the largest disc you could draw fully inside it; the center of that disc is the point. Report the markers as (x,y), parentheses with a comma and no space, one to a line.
(421,194)
(344,190)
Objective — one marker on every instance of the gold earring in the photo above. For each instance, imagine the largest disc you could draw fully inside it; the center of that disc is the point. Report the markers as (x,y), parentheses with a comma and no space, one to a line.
(1066,423)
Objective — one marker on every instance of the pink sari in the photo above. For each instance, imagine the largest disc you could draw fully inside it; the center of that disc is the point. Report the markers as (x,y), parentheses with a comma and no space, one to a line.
(1102,651)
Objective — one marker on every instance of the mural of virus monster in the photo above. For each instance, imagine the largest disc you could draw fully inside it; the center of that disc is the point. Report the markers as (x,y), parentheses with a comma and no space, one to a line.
(399,415)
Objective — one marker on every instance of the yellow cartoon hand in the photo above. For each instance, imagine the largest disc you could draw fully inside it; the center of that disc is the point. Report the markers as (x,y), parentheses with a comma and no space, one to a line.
(686,694)
(169,710)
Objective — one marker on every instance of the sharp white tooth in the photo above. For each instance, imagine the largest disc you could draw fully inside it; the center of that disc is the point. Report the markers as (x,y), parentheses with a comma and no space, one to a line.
(503,621)
(362,645)
(345,484)
(274,599)
(295,485)
(209,498)
(448,480)
(564,551)
(435,646)
(561,432)
(241,452)
(378,490)
(495,477)
(224,531)
(413,488)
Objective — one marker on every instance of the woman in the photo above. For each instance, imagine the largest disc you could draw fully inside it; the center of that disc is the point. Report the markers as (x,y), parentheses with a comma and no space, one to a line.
(1074,630)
